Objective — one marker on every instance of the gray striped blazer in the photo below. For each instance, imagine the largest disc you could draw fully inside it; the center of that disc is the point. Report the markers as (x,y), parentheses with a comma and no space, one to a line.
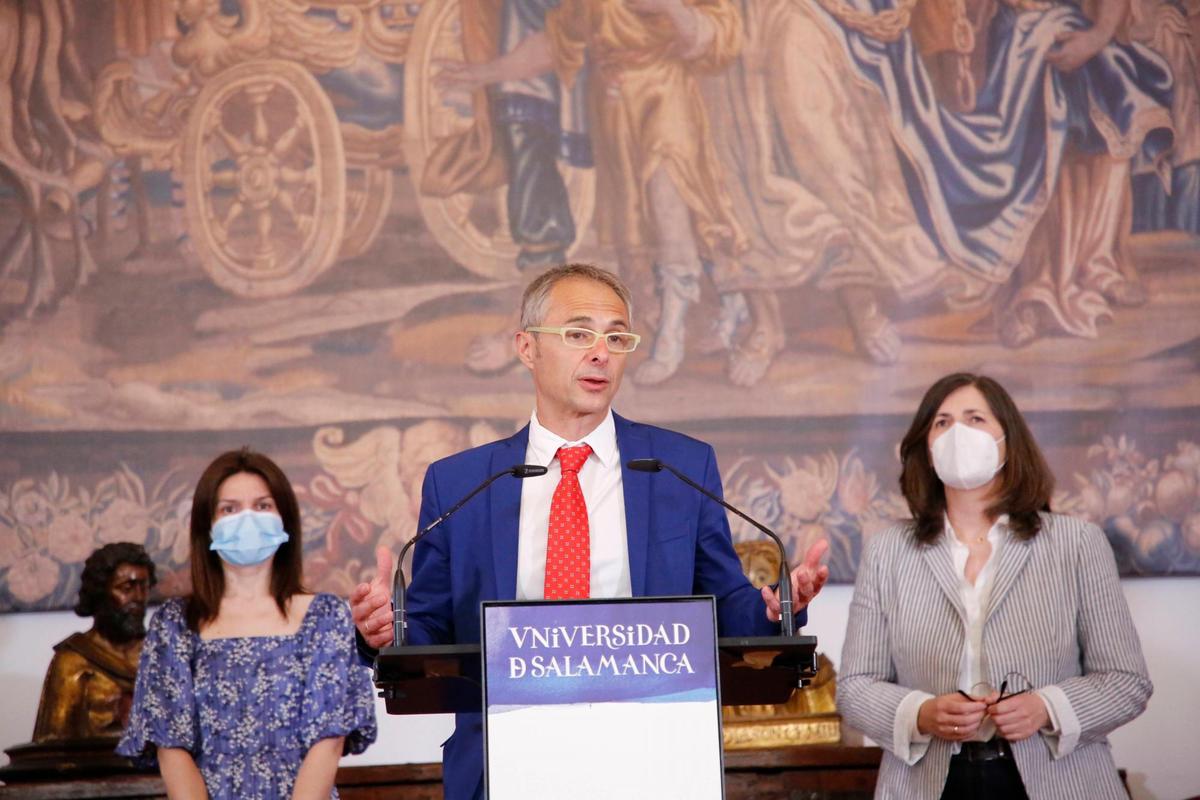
(1056,615)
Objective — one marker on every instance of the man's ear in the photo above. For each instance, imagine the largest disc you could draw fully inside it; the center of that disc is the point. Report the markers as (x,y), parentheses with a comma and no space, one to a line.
(526,346)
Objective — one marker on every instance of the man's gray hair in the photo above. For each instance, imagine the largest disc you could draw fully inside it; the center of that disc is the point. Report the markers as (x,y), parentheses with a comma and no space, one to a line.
(537,293)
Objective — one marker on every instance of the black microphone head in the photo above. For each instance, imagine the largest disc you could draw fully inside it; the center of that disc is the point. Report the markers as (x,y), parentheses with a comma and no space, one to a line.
(645,465)
(528,470)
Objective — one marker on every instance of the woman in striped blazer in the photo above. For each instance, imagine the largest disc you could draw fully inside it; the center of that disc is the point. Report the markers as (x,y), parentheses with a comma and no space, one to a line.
(989,649)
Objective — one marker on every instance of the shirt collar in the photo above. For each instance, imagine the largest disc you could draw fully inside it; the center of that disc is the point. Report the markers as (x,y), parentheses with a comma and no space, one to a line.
(543,443)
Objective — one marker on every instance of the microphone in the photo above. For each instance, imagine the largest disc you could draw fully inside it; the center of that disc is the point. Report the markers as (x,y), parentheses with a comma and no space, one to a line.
(787,619)
(399,589)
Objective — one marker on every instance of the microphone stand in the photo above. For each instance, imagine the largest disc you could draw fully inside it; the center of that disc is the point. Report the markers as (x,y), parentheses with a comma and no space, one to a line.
(787,619)
(399,588)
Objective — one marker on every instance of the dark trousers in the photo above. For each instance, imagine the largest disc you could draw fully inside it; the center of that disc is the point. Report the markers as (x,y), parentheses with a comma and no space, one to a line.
(996,779)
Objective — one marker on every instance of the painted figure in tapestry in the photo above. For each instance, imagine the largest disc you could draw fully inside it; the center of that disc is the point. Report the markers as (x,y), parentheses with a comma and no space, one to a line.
(664,206)
(47,164)
(522,128)
(1013,193)
(1169,198)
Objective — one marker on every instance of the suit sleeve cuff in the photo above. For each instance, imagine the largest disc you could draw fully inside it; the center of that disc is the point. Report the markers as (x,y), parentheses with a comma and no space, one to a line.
(1062,734)
(908,743)
(366,653)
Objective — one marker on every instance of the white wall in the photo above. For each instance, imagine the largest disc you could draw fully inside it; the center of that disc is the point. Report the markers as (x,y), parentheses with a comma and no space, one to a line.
(1160,749)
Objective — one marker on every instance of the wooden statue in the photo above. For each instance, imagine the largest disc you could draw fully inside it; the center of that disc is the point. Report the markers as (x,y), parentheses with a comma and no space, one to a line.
(89,686)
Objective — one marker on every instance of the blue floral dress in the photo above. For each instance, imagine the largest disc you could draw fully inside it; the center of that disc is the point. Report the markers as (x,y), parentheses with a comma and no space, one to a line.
(249,708)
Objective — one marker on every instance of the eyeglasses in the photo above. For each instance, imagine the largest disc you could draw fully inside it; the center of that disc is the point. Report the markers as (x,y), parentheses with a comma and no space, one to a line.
(1013,680)
(585,338)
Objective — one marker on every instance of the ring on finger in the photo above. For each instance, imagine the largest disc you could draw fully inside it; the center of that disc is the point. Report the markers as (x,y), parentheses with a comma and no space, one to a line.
(956,730)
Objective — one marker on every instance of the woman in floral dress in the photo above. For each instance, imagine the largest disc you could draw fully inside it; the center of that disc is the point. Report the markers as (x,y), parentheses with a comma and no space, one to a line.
(249,687)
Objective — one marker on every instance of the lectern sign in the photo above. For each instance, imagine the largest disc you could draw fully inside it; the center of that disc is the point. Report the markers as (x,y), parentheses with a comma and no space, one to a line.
(602,699)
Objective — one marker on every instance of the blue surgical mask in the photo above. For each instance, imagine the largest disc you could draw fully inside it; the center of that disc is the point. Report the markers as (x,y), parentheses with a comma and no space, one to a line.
(248,537)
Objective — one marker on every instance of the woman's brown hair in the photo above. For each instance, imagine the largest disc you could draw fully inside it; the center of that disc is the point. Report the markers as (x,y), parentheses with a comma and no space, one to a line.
(1026,482)
(208,573)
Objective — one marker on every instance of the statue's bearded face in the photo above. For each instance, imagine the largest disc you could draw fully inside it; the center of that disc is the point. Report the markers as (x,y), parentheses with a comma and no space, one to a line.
(122,618)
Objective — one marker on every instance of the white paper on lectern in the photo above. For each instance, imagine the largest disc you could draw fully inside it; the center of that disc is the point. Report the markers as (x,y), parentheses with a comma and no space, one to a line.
(616,706)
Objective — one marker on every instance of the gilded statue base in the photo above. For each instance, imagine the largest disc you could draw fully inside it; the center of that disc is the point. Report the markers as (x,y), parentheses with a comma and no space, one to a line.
(808,717)
(814,729)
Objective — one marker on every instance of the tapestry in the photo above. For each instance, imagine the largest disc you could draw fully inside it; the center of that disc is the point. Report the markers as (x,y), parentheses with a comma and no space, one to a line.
(305,225)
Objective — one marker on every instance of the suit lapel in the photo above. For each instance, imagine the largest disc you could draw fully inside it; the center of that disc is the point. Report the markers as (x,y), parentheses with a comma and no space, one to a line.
(941,564)
(505,510)
(632,442)
(1012,562)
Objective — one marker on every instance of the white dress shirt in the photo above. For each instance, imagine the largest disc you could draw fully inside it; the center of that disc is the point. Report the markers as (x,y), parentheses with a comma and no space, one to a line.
(909,743)
(975,598)
(600,479)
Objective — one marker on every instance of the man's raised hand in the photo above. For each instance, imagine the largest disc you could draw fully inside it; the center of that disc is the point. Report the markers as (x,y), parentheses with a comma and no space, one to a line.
(807,580)
(371,603)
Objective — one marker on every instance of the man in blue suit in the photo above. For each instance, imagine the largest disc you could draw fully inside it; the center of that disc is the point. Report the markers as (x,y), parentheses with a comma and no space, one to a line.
(646,535)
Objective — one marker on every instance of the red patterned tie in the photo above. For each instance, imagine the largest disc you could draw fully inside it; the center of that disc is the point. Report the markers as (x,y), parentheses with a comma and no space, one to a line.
(568,544)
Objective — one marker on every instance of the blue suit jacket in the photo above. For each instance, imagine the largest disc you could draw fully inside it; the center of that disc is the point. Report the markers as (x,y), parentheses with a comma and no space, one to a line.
(679,544)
